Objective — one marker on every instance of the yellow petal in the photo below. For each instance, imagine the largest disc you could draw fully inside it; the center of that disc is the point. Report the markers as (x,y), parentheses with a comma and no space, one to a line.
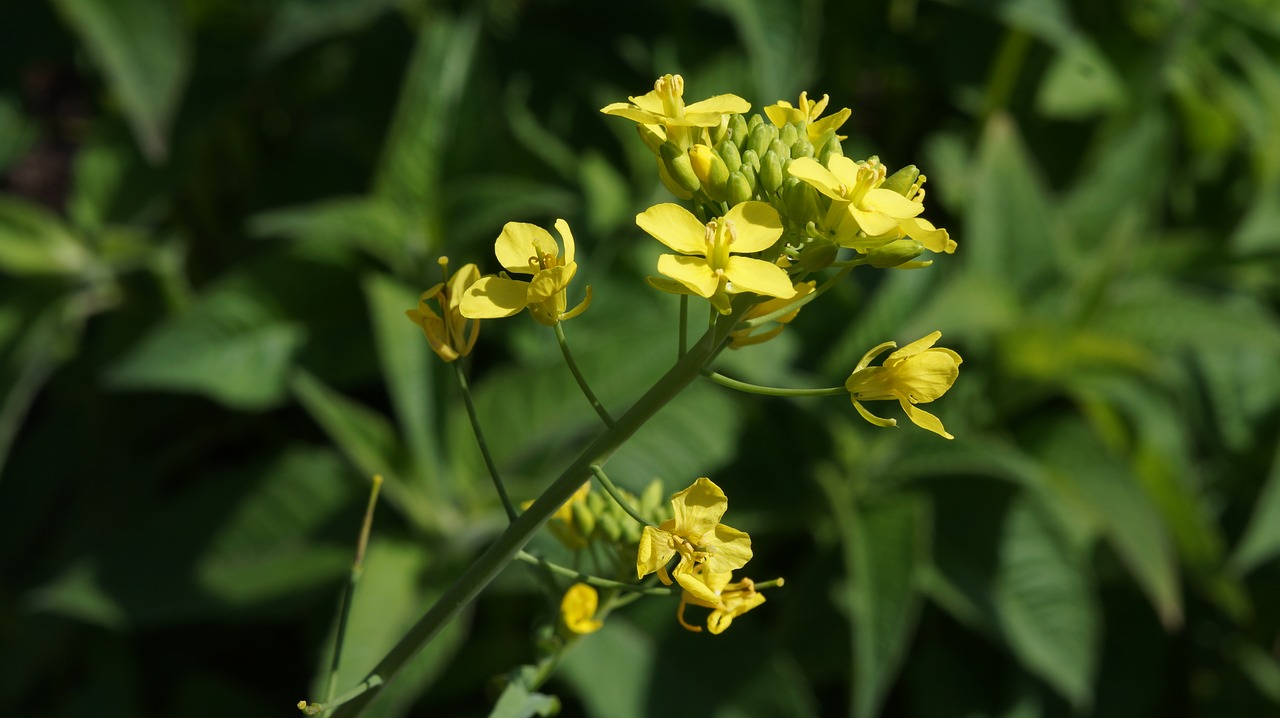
(550,282)
(730,549)
(494,297)
(890,203)
(818,128)
(697,509)
(720,618)
(462,279)
(914,348)
(654,551)
(933,239)
(675,227)
(669,285)
(650,102)
(689,581)
(721,105)
(926,377)
(759,276)
(873,223)
(567,237)
(520,245)
(578,609)
(692,272)
(924,419)
(872,418)
(757,227)
(809,170)
(782,113)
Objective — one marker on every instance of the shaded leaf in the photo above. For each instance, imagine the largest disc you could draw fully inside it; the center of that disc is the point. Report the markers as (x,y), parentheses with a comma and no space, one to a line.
(35,242)
(1080,83)
(1261,540)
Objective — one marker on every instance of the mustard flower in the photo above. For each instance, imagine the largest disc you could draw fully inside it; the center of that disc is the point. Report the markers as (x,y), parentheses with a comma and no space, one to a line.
(528,249)
(578,609)
(696,534)
(731,599)
(915,374)
(808,112)
(664,106)
(709,264)
(449,333)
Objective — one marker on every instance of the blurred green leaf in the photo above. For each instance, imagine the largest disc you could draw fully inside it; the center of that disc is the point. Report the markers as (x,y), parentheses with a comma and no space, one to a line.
(141,46)
(1126,177)
(611,669)
(517,701)
(407,365)
(1044,598)
(17,132)
(298,23)
(1049,20)
(370,224)
(35,242)
(233,544)
(1012,233)
(885,543)
(231,346)
(1129,521)
(1261,540)
(395,587)
(776,37)
(1080,83)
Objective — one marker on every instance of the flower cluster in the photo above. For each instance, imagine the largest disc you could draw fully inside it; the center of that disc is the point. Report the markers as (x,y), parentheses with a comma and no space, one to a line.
(772,215)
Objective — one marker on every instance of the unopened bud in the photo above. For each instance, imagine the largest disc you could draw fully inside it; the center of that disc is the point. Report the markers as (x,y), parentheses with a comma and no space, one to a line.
(894,253)
(771,172)
(610,527)
(800,199)
(584,520)
(762,136)
(676,161)
(738,131)
(830,148)
(739,188)
(801,148)
(651,139)
(729,153)
(790,133)
(710,171)
(901,180)
(818,254)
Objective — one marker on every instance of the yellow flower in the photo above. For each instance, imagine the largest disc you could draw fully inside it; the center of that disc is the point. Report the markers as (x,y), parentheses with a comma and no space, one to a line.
(563,524)
(807,113)
(697,535)
(449,333)
(739,338)
(664,106)
(528,249)
(731,599)
(578,609)
(708,264)
(915,374)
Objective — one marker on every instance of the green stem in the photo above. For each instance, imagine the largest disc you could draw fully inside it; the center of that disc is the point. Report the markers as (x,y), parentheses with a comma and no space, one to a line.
(484,445)
(723,380)
(344,603)
(1004,72)
(582,381)
(505,548)
(618,497)
(588,578)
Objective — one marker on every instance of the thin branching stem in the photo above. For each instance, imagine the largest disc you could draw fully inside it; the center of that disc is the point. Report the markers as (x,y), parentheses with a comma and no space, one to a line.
(484,445)
(582,381)
(723,380)
(618,497)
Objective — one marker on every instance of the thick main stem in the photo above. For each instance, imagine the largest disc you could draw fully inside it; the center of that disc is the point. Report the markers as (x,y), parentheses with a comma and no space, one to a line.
(504,549)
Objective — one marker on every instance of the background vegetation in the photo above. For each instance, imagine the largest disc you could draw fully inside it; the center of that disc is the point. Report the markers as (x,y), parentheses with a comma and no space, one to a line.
(214,214)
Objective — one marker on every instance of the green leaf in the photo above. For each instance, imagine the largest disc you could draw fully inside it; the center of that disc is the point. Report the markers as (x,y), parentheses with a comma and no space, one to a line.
(1261,540)
(1044,599)
(35,242)
(17,132)
(370,224)
(1079,84)
(1127,175)
(231,347)
(780,40)
(611,669)
(407,364)
(1130,522)
(232,545)
(1009,214)
(299,23)
(142,48)
(395,587)
(517,701)
(369,442)
(884,544)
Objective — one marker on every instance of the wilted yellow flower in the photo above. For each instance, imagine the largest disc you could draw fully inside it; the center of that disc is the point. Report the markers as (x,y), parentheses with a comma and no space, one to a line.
(731,599)
(449,333)
(807,112)
(528,249)
(664,106)
(697,535)
(915,374)
(708,264)
(578,609)
(739,338)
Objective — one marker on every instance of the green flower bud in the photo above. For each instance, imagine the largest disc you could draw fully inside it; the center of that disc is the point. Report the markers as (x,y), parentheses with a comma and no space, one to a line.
(729,153)
(610,527)
(751,159)
(901,180)
(782,150)
(800,199)
(739,188)
(584,519)
(738,131)
(720,131)
(894,253)
(651,139)
(801,149)
(830,148)
(749,173)
(790,133)
(755,121)
(771,172)
(652,499)
(597,502)
(677,163)
(818,254)
(762,136)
